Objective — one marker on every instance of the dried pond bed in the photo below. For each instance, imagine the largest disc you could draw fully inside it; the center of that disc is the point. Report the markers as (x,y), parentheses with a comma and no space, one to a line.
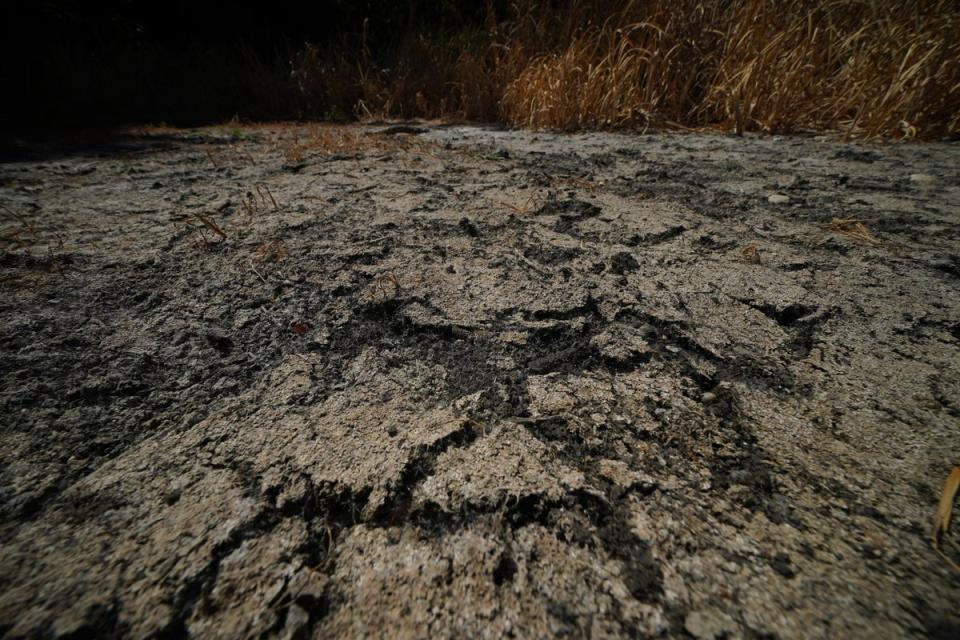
(456,381)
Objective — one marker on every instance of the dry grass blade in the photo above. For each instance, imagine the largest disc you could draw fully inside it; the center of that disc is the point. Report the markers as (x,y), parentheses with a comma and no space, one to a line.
(942,521)
(353,141)
(243,153)
(28,235)
(272,251)
(261,189)
(521,209)
(387,281)
(292,151)
(13,238)
(210,224)
(203,243)
(751,254)
(10,239)
(854,229)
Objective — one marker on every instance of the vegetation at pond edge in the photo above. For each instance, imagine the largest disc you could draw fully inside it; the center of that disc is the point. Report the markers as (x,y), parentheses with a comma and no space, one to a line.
(862,68)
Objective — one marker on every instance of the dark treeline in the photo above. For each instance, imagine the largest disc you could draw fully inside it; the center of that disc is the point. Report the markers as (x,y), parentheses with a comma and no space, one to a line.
(181,21)
(182,62)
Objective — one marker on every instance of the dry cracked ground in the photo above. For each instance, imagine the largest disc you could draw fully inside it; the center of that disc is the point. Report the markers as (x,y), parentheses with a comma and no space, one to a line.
(464,382)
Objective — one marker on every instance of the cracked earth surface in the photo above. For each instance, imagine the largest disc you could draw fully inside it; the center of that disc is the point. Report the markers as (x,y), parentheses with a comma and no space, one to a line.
(465,382)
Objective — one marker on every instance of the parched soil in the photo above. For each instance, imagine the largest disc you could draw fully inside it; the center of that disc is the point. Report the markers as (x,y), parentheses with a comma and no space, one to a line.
(465,382)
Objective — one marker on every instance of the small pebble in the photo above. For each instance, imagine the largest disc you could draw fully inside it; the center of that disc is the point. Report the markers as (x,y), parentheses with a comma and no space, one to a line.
(781,564)
(708,397)
(778,198)
(923,179)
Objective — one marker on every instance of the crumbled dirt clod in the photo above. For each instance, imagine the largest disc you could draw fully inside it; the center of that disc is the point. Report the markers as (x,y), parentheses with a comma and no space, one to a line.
(383,402)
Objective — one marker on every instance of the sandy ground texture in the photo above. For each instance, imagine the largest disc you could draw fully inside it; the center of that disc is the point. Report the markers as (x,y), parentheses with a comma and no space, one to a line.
(462,382)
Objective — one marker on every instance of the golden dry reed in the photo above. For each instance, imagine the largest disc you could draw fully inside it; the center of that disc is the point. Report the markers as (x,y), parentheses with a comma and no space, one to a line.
(882,68)
(863,68)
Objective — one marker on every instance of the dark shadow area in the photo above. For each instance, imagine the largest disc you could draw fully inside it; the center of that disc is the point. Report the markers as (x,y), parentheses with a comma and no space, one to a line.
(36,145)
(74,64)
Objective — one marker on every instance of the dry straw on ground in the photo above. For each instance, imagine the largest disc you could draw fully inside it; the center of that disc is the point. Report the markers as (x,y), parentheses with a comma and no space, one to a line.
(854,229)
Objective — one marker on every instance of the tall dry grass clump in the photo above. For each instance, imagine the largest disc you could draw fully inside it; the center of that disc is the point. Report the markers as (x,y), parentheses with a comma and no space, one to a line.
(869,68)
(643,66)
